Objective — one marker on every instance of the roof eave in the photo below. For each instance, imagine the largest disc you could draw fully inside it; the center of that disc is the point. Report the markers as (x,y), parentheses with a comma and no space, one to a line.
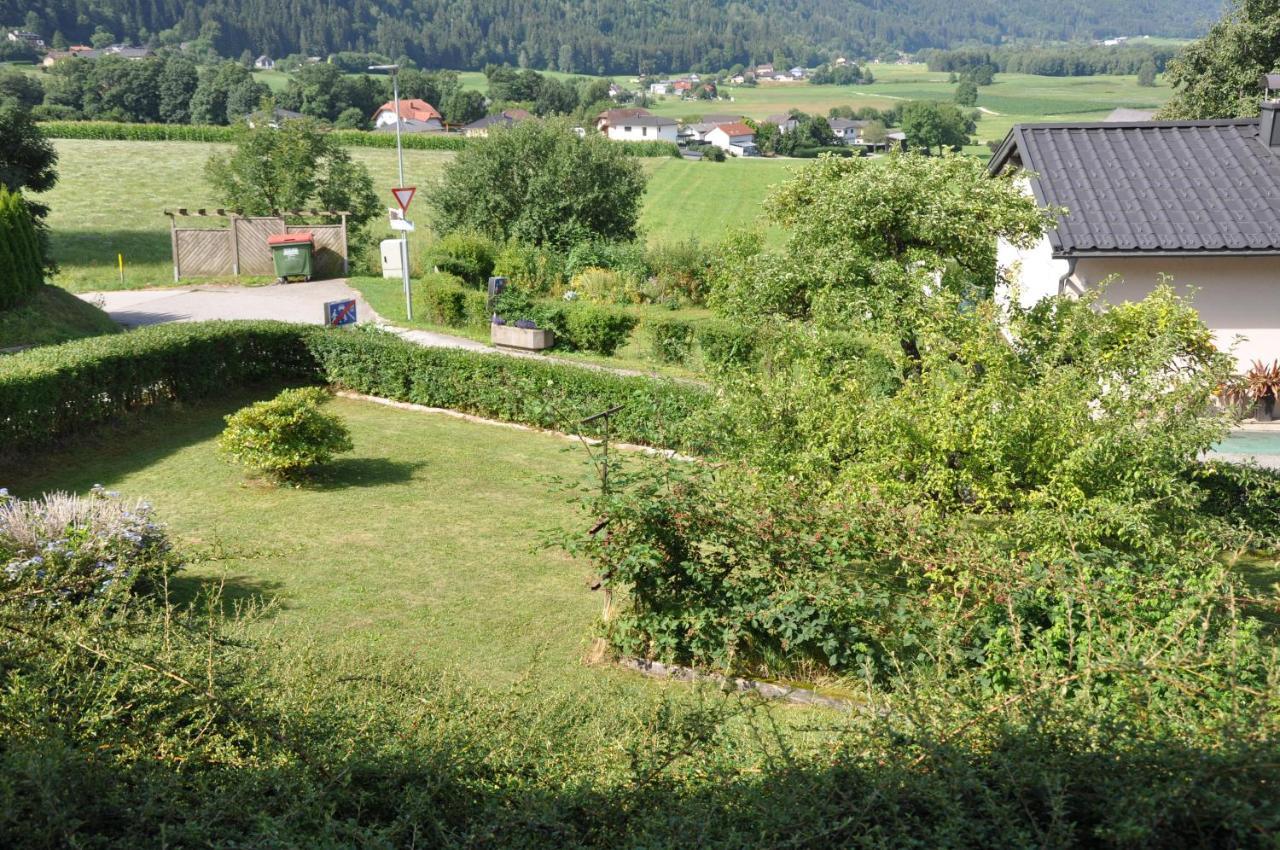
(1063,254)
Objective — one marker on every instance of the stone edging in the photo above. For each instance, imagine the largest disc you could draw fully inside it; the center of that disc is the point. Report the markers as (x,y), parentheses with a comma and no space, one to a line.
(768,690)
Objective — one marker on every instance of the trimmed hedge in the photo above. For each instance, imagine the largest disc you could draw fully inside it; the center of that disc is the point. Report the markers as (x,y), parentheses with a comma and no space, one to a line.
(56,391)
(726,345)
(52,391)
(513,389)
(122,131)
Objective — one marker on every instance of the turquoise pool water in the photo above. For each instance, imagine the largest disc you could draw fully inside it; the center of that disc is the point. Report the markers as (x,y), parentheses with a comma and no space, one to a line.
(1251,443)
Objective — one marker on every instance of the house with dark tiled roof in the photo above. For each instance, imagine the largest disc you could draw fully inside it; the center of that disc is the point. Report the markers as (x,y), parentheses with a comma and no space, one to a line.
(1198,201)
(506,118)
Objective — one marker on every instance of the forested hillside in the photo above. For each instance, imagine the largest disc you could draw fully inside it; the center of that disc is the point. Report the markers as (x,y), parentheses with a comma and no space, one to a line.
(603,36)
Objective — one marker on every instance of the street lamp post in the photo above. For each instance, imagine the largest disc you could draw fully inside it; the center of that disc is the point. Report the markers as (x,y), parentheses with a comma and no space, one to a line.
(394,71)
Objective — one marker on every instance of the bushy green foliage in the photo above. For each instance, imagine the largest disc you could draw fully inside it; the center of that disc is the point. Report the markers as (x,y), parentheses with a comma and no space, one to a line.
(464,254)
(600,286)
(537,270)
(626,259)
(28,164)
(540,183)
(294,166)
(286,438)
(725,344)
(591,327)
(681,268)
(21,271)
(444,299)
(1218,76)
(672,339)
(286,743)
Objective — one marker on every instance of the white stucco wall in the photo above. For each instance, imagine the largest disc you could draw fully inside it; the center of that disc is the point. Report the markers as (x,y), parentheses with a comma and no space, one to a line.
(1236,296)
(624,132)
(1032,271)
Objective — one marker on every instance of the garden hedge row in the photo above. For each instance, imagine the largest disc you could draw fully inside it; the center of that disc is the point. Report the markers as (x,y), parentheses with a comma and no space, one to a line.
(122,131)
(21,268)
(56,391)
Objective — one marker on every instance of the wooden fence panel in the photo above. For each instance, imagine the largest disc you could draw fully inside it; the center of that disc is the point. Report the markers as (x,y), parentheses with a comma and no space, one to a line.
(328,248)
(214,252)
(203,253)
(251,236)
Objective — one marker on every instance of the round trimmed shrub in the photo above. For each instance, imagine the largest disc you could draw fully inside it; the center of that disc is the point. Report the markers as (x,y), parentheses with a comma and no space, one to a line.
(286,438)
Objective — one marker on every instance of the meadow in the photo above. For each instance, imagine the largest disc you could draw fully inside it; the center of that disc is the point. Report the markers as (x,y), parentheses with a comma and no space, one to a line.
(1012,99)
(111,197)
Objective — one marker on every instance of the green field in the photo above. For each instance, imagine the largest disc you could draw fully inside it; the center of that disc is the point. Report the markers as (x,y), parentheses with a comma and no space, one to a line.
(111,196)
(1013,98)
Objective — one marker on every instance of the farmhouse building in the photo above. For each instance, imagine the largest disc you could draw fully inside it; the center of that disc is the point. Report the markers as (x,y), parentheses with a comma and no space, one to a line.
(785,121)
(416,114)
(264,63)
(1194,200)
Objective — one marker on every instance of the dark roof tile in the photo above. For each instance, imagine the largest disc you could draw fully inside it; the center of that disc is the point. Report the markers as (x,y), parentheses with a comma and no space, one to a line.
(1153,186)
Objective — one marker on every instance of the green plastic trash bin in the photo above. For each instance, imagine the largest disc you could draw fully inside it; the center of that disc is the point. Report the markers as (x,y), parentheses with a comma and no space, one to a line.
(291,253)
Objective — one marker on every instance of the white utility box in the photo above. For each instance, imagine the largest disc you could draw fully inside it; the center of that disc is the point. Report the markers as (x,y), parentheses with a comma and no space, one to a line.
(391,260)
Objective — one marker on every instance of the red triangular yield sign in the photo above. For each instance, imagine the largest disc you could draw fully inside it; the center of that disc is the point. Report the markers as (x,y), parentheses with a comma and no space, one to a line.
(404,196)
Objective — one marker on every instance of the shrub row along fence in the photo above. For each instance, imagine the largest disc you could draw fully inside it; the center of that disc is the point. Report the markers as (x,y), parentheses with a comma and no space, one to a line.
(21,269)
(53,392)
(121,131)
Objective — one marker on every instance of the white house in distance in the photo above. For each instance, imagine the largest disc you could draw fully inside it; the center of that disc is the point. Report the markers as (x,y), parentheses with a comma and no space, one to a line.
(1195,200)
(416,114)
(264,63)
(642,128)
(735,139)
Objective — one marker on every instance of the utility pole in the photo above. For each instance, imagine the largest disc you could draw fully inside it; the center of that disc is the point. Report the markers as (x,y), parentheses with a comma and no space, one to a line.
(394,71)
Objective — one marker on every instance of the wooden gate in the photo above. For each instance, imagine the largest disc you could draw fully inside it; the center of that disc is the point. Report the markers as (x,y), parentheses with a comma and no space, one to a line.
(240,248)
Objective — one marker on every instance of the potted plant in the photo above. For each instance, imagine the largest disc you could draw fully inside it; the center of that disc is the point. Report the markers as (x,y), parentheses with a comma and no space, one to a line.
(524,334)
(514,323)
(1262,384)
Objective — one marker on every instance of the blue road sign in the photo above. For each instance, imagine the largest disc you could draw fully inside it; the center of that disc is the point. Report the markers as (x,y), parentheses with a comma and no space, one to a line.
(338,313)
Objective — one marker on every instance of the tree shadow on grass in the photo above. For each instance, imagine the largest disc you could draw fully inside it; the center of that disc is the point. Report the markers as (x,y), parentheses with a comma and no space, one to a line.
(234,592)
(363,472)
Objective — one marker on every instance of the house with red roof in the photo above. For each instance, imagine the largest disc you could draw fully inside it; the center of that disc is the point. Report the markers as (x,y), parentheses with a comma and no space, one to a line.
(736,139)
(414,112)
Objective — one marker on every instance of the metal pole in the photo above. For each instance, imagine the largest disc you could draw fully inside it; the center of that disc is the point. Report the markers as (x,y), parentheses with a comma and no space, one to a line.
(404,234)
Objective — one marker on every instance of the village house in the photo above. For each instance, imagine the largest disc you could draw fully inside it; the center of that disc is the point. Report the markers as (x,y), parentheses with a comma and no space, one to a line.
(264,63)
(613,116)
(506,118)
(417,116)
(764,71)
(1194,200)
(643,128)
(784,121)
(661,87)
(735,139)
(30,38)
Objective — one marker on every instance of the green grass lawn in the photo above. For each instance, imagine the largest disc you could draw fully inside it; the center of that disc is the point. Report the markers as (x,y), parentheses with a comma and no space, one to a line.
(705,199)
(52,315)
(423,543)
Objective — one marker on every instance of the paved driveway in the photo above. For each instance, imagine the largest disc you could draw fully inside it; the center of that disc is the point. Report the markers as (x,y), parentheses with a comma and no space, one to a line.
(287,302)
(290,302)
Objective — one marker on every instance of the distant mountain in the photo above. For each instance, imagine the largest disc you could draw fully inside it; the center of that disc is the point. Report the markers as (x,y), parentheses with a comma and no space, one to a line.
(606,36)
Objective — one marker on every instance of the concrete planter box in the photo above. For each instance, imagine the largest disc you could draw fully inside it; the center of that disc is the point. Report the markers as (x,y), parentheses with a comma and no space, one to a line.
(525,339)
